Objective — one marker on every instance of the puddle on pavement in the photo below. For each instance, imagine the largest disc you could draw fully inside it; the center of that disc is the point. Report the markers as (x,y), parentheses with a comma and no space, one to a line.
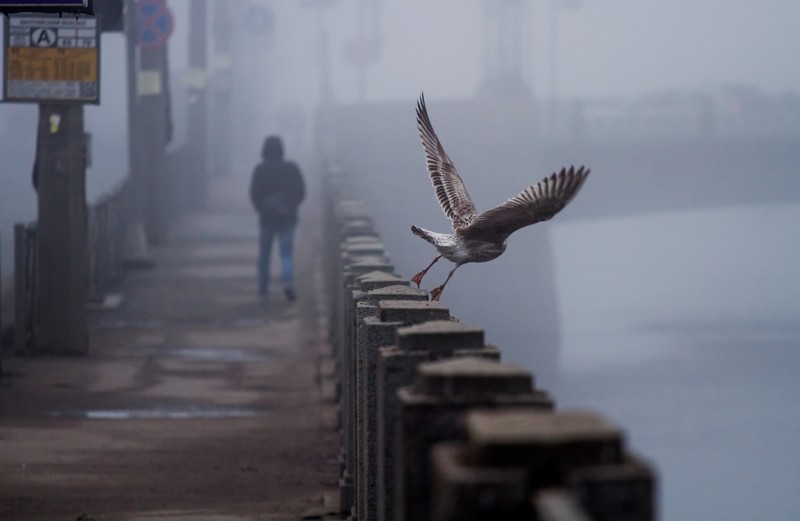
(207,354)
(127,324)
(154,414)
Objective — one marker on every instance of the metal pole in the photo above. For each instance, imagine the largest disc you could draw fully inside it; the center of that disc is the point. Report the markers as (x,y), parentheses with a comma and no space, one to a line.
(553,87)
(222,107)
(361,66)
(325,95)
(196,116)
(135,118)
(552,103)
(136,243)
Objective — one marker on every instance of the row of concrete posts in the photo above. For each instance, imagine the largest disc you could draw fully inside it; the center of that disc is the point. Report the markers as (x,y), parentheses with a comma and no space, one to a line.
(433,425)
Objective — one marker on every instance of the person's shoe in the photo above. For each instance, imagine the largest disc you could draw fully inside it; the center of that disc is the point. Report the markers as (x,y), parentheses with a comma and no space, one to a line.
(290,296)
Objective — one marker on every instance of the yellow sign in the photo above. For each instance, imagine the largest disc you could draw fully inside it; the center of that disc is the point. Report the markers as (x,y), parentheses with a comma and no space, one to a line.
(26,63)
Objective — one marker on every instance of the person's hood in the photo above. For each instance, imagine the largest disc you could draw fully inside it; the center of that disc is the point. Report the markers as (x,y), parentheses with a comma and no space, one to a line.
(272,149)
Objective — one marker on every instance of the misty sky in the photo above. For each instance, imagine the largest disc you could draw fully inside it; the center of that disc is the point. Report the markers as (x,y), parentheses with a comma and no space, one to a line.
(606,48)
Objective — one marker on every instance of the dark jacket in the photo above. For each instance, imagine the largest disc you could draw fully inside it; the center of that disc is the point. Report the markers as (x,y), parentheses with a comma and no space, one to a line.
(276,182)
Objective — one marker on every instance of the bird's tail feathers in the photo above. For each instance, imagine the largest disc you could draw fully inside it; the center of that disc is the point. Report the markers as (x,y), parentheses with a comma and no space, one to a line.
(425,234)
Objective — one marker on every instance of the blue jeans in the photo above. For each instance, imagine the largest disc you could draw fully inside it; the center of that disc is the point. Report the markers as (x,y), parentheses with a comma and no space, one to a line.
(285,235)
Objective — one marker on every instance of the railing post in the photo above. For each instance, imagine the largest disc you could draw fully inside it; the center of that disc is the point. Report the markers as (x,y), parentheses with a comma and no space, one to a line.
(513,459)
(431,411)
(396,368)
(364,306)
(21,290)
(375,332)
(353,266)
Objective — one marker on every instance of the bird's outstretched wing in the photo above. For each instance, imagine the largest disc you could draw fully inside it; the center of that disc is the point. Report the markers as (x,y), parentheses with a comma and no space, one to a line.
(536,203)
(450,190)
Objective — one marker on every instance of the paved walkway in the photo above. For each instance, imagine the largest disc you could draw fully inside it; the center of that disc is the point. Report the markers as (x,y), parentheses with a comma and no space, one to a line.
(198,399)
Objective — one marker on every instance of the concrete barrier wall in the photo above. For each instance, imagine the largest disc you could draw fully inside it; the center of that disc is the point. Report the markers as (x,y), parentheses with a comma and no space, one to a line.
(434,425)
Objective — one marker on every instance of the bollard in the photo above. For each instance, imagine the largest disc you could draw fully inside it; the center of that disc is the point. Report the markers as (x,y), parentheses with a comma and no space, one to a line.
(375,332)
(358,226)
(379,279)
(362,265)
(431,411)
(337,266)
(362,305)
(397,367)
(367,248)
(624,491)
(576,451)
(352,267)
(464,492)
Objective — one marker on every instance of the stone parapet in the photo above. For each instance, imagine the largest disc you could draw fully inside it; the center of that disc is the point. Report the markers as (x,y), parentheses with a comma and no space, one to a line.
(433,426)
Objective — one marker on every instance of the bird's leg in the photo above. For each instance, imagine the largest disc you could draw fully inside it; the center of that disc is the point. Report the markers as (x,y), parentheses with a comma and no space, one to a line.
(436,292)
(418,277)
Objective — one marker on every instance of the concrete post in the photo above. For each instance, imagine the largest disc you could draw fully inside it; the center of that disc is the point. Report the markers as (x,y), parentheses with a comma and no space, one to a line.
(624,491)
(379,279)
(364,248)
(337,264)
(362,265)
(344,274)
(397,367)
(578,451)
(550,444)
(432,411)
(353,267)
(465,493)
(353,227)
(373,333)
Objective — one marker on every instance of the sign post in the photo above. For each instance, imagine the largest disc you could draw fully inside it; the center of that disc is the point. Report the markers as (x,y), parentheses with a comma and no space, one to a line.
(151,23)
(54,61)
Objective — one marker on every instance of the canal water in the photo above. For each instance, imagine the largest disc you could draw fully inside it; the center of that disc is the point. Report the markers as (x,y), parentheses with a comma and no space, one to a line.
(685,329)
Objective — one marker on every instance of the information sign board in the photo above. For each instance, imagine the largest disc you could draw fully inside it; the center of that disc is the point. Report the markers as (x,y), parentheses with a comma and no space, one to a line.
(51,58)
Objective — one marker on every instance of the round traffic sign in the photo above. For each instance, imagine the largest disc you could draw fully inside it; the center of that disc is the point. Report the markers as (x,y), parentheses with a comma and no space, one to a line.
(153,23)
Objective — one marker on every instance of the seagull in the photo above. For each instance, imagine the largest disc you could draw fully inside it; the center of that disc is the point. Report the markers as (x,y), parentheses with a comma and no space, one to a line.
(482,237)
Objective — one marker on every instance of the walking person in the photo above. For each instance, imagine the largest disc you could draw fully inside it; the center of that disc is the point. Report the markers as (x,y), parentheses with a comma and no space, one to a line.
(276,190)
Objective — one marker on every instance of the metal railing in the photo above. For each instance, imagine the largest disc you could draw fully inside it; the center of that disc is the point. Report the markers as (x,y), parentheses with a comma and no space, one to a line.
(107,224)
(107,221)
(25,253)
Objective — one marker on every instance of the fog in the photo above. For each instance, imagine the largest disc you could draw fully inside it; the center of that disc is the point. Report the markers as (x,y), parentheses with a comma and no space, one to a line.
(665,296)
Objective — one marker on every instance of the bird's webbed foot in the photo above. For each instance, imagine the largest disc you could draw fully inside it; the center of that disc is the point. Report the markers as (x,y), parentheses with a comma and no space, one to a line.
(417,279)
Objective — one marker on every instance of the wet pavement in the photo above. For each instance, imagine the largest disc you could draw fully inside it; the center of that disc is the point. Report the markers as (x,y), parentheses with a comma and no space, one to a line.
(198,400)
